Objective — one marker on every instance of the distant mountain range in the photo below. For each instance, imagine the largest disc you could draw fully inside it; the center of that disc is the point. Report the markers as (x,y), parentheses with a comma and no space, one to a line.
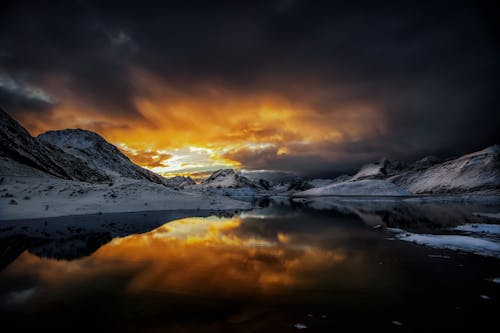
(76,154)
(475,172)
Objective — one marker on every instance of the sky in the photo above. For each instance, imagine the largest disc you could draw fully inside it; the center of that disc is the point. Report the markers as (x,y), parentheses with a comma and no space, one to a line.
(311,87)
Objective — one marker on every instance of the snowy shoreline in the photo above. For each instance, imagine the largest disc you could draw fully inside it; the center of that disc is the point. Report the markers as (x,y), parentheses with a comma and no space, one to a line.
(43,197)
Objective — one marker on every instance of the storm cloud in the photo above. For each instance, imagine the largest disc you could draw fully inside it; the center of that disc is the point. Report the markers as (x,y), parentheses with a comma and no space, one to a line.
(363,80)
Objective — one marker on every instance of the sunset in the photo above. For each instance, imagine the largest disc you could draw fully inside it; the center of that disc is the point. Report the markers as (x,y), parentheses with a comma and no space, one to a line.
(312,88)
(249,166)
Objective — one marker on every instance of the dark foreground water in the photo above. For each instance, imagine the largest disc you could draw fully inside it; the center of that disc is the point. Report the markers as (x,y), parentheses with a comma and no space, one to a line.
(276,269)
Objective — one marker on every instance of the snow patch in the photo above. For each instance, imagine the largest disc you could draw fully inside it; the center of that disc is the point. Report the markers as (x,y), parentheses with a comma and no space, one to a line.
(491,229)
(470,244)
(300,326)
(494,280)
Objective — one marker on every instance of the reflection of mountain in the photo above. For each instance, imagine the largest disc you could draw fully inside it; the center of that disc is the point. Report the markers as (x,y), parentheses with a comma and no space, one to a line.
(77,236)
(72,247)
(73,237)
(11,247)
(413,215)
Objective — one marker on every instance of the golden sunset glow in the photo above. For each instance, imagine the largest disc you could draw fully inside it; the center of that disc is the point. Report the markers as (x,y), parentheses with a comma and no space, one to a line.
(181,133)
(206,255)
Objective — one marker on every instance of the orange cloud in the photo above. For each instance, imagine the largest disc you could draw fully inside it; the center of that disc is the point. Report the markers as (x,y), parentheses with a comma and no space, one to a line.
(217,119)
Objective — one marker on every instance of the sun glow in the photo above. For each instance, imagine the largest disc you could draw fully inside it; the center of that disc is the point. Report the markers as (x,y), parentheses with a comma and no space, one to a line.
(176,132)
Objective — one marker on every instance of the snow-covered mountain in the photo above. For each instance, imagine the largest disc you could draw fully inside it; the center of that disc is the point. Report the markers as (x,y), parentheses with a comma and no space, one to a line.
(22,153)
(76,154)
(475,172)
(380,170)
(98,153)
(180,181)
(368,187)
(228,178)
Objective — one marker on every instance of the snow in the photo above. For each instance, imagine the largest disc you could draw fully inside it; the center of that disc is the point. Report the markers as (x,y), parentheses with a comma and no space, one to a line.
(322,182)
(470,244)
(300,326)
(17,145)
(180,181)
(21,296)
(488,215)
(50,196)
(367,187)
(226,178)
(97,153)
(379,170)
(494,280)
(230,183)
(491,229)
(368,171)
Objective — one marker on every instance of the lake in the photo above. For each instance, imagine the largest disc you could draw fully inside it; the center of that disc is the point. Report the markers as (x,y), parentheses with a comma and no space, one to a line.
(323,266)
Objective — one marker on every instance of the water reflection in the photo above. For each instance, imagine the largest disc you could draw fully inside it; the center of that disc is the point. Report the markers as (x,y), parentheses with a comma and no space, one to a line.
(73,237)
(274,266)
(197,255)
(415,214)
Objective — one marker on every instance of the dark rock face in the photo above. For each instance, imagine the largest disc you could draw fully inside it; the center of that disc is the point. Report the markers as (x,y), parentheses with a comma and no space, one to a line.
(425,163)
(299,185)
(18,145)
(71,248)
(264,184)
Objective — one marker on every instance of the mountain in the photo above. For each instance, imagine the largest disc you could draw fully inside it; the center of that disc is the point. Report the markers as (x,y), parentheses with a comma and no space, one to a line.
(379,170)
(228,178)
(98,153)
(365,187)
(475,172)
(180,181)
(17,146)
(299,185)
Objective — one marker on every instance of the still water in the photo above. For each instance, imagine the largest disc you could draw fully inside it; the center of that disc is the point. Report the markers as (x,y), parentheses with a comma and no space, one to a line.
(274,269)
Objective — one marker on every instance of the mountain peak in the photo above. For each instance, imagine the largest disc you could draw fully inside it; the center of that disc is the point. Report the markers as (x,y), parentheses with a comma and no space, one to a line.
(17,145)
(73,137)
(99,153)
(228,178)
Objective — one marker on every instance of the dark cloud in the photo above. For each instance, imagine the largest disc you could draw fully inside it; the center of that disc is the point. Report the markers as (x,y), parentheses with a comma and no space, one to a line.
(69,49)
(430,69)
(15,95)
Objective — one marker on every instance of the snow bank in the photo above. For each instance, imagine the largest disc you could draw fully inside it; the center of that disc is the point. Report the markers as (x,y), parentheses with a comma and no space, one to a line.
(470,244)
(368,187)
(488,215)
(37,197)
(491,229)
